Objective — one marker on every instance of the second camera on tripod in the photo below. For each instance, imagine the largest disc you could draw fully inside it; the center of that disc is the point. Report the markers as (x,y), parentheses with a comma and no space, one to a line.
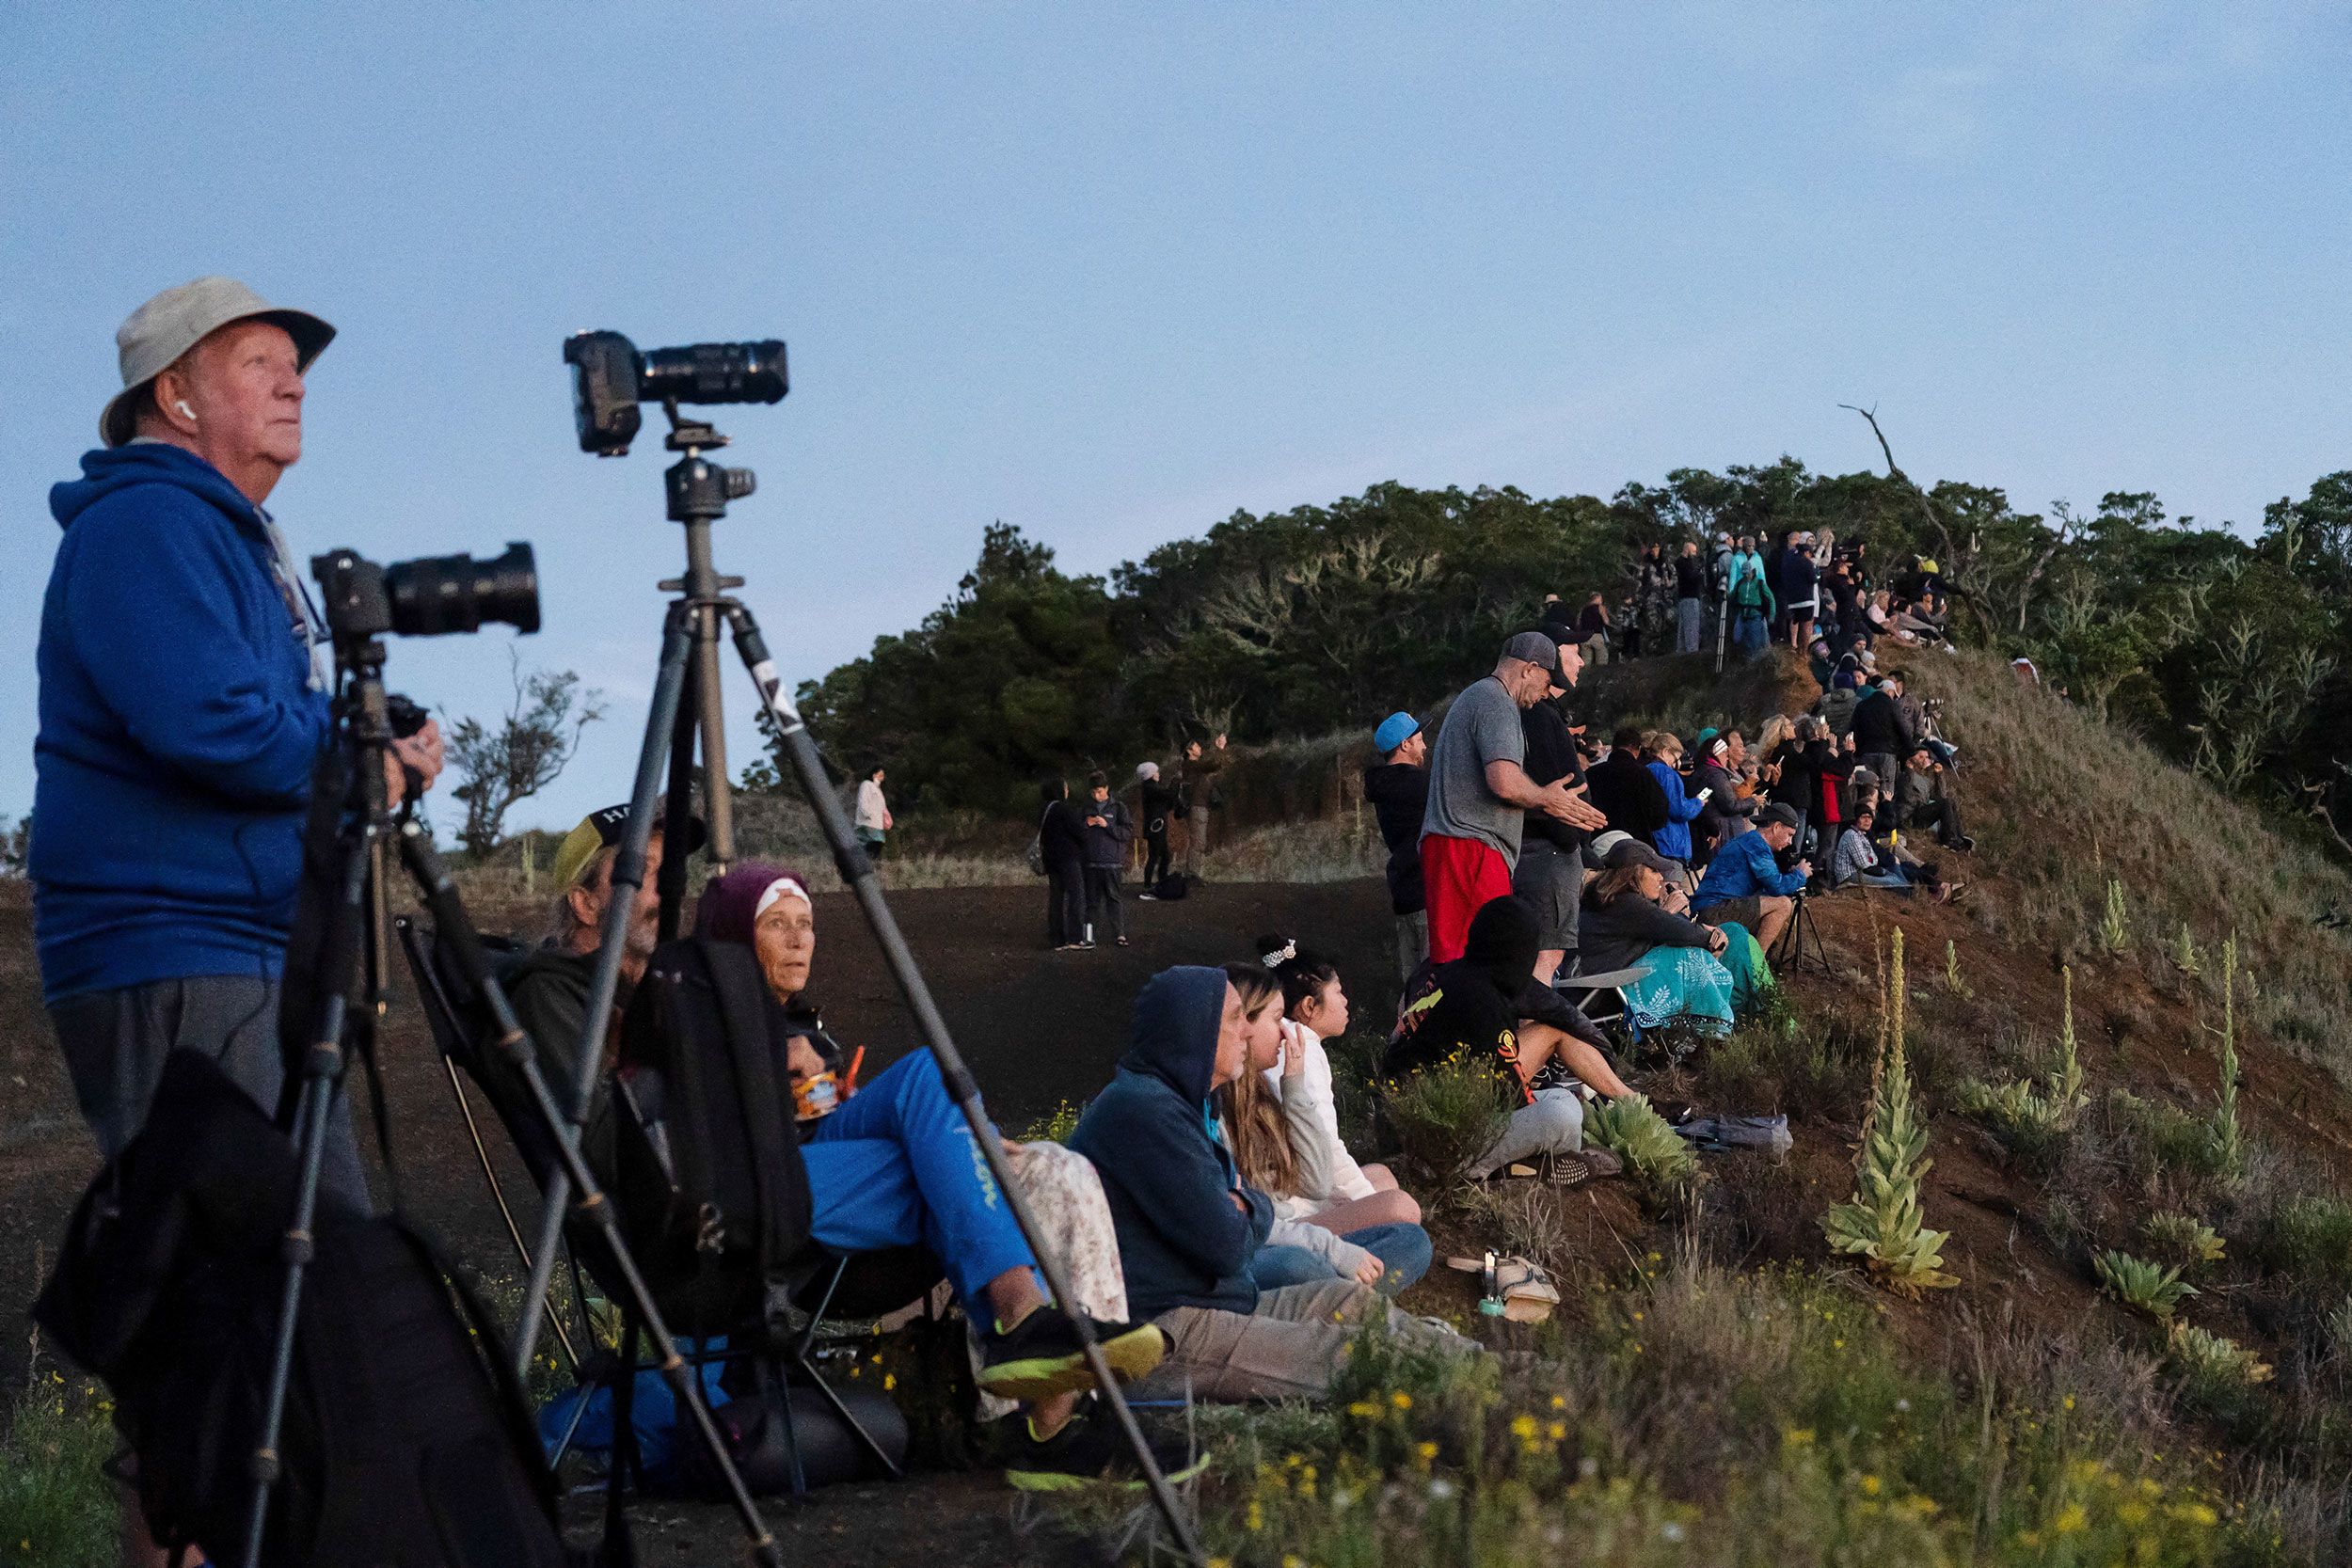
(426,597)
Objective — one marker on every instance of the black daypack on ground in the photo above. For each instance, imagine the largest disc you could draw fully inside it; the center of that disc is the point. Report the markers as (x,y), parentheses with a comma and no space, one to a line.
(713,1196)
(1172,887)
(404,1442)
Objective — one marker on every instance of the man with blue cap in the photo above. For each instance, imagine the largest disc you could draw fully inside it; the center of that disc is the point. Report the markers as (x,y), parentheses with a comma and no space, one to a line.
(1398,787)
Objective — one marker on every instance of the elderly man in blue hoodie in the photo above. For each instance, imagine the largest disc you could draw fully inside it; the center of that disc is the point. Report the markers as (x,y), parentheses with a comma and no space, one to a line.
(183,700)
(1188,1225)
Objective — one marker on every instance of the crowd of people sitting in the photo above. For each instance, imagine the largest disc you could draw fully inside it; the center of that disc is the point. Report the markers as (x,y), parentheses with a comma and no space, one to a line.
(1219,1231)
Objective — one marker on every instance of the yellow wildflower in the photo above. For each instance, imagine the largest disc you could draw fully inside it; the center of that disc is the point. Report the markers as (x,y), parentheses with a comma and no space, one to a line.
(1401,1399)
(2071,1520)
(1870,1486)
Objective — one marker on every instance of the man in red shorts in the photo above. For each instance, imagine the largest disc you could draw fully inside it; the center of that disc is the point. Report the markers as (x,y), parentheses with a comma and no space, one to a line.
(1479,792)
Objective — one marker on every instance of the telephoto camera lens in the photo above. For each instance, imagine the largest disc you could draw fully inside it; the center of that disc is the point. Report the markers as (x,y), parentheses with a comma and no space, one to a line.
(456,593)
(713,372)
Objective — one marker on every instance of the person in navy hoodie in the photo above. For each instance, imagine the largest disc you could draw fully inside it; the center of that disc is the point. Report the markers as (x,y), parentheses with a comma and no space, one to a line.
(183,700)
(1188,1225)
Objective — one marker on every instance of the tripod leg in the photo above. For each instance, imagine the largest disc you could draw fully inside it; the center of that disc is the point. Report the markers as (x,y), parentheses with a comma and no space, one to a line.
(858,872)
(711,718)
(449,914)
(628,875)
(322,1071)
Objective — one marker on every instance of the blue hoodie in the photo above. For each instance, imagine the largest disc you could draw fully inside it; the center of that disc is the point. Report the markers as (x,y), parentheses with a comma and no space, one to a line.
(1182,1242)
(1682,808)
(178,730)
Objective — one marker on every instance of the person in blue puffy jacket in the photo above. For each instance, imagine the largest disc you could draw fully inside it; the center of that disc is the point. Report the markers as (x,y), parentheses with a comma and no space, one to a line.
(1673,840)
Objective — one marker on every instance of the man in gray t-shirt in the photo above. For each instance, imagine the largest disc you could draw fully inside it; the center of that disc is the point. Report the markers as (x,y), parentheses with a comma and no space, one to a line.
(1479,792)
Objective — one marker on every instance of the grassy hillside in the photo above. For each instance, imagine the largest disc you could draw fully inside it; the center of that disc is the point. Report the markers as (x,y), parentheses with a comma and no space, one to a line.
(1720,1386)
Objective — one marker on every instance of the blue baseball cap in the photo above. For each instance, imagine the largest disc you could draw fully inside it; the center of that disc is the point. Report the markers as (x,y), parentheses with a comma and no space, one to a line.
(1394,731)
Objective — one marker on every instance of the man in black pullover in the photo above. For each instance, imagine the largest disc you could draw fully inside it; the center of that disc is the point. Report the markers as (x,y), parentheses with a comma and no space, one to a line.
(1549,876)
(1625,790)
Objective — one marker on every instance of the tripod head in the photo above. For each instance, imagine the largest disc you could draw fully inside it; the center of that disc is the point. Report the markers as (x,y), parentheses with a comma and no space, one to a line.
(699,491)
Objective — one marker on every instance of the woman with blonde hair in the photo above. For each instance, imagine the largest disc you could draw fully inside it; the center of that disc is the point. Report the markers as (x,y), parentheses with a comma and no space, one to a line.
(1279,1146)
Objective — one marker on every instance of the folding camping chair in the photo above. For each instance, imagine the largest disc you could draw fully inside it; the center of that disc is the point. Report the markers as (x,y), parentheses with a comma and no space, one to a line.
(822,1286)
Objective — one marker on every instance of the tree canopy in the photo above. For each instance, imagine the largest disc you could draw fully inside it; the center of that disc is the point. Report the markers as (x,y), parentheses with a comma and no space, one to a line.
(2230,652)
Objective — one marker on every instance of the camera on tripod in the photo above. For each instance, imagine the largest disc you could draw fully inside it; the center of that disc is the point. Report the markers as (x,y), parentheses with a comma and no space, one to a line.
(430,596)
(611,377)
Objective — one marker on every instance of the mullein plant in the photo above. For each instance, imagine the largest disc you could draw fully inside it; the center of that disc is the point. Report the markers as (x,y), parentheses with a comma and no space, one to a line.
(2228,1151)
(1882,1223)
(2027,1114)
(2115,927)
(2185,956)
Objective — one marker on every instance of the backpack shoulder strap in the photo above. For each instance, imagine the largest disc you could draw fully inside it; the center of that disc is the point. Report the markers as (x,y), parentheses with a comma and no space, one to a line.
(742,997)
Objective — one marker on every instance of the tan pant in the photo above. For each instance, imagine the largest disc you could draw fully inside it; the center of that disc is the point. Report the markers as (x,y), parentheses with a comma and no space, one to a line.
(1291,1346)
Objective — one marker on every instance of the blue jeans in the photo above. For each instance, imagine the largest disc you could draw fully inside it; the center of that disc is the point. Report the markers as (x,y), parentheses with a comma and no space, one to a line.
(1748,633)
(896,1167)
(1404,1250)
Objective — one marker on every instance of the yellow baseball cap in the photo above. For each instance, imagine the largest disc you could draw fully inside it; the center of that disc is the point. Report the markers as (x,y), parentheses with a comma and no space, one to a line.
(600,828)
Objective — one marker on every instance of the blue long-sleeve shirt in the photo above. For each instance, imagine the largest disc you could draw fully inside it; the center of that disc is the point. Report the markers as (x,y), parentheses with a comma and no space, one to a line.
(1745,868)
(179,724)
(1674,840)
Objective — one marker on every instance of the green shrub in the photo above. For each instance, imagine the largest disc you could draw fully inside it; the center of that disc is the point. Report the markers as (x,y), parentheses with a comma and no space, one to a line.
(2308,1239)
(1053,1127)
(57,1506)
(2154,1288)
(1655,1156)
(2161,1139)
(1445,1117)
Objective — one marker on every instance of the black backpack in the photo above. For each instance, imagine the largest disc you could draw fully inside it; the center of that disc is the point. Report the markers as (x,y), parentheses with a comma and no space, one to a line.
(405,1440)
(1172,887)
(712,1195)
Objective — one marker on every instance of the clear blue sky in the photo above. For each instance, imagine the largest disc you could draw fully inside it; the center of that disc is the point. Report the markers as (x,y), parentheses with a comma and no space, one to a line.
(1110,271)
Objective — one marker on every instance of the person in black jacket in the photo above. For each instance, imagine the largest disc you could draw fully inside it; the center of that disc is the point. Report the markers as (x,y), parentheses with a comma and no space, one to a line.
(1159,810)
(1061,840)
(1108,831)
(1398,787)
(1690,597)
(1549,876)
(1882,731)
(1626,790)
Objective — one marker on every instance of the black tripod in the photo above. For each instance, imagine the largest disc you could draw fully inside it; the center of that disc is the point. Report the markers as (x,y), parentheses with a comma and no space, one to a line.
(352,956)
(687,702)
(1804,939)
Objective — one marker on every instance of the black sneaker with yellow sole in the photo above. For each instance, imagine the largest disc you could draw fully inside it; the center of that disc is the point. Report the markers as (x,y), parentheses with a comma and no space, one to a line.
(1039,1356)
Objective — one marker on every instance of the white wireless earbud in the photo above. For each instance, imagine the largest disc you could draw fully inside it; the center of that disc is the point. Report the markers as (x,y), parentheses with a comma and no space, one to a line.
(185,412)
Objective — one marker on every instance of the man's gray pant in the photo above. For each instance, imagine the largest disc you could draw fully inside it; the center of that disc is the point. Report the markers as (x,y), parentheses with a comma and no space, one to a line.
(1412,942)
(1553,1124)
(115,1042)
(1196,840)
(1687,614)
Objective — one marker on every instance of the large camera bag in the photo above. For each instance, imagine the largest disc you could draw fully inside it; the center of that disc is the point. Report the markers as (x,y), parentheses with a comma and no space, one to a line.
(405,1439)
(713,1196)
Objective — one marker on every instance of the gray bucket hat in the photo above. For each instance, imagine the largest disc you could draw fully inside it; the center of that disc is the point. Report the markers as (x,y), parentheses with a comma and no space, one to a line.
(174,322)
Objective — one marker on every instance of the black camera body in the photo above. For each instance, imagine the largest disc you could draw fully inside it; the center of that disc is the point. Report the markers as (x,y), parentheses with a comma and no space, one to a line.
(426,597)
(610,378)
